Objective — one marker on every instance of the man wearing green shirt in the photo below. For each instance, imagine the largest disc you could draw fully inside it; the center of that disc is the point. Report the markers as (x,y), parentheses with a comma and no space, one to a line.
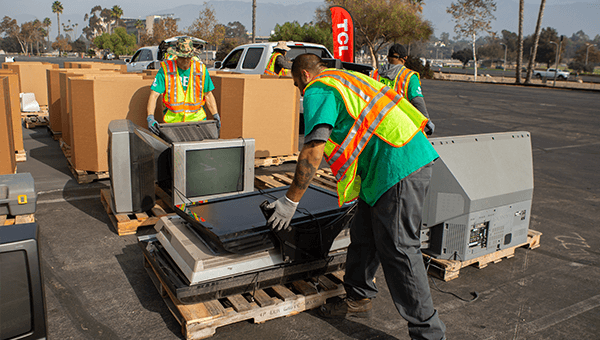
(393,180)
(404,81)
(185,86)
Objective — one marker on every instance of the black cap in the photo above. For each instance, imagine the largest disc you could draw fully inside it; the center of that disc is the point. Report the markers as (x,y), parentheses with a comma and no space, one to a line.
(397,51)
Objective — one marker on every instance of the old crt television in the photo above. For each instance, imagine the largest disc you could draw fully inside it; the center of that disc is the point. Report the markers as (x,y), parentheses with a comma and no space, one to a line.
(209,169)
(22,303)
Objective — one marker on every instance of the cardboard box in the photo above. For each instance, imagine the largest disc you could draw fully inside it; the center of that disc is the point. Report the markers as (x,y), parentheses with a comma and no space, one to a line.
(95,65)
(55,108)
(15,108)
(8,164)
(32,78)
(95,101)
(65,121)
(266,109)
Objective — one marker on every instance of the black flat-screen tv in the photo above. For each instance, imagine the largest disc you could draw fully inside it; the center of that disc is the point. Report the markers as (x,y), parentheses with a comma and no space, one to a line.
(22,302)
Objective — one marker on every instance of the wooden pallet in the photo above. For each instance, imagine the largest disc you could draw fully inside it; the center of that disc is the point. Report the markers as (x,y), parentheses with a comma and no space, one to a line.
(323,178)
(19,219)
(276,160)
(33,120)
(20,156)
(448,269)
(201,320)
(84,177)
(128,224)
(66,149)
(55,135)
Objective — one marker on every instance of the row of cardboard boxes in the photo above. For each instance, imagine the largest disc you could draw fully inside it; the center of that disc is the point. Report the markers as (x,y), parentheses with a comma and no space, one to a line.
(84,97)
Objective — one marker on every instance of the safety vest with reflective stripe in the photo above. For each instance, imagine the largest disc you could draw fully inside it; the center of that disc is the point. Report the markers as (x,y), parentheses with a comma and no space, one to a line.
(183,107)
(400,84)
(378,111)
(270,69)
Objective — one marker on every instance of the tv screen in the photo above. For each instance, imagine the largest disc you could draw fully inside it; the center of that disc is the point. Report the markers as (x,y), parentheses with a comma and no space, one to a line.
(22,307)
(206,170)
(214,171)
(16,317)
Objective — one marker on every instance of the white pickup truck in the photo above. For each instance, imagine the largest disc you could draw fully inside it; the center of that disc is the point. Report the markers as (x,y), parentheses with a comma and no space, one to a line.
(549,74)
(253,58)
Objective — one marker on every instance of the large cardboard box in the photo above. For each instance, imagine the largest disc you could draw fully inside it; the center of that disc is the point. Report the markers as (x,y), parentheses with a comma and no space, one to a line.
(55,105)
(95,65)
(8,163)
(95,101)
(65,121)
(32,78)
(266,109)
(15,108)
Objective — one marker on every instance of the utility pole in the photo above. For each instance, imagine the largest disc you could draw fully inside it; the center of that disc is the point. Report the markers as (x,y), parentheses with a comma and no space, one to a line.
(557,55)
(504,64)
(253,21)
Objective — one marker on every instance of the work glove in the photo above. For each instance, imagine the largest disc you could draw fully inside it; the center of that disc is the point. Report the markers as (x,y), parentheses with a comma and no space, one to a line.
(218,119)
(153,125)
(284,211)
(429,128)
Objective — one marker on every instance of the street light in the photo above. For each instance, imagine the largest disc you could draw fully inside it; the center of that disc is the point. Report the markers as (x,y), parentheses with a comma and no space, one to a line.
(586,52)
(504,65)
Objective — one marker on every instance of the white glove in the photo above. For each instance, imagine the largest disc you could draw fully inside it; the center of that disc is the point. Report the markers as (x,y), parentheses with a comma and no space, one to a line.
(284,211)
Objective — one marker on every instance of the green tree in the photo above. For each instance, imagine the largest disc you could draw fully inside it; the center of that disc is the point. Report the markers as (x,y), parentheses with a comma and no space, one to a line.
(378,23)
(26,34)
(115,16)
(57,8)
(98,22)
(472,18)
(119,42)
(464,56)
(292,31)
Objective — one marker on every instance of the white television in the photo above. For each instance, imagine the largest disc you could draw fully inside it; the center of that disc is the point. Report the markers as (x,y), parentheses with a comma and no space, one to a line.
(211,169)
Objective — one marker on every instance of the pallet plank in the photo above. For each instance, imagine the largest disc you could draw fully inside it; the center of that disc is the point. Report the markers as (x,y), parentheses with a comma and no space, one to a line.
(240,304)
(283,293)
(263,299)
(305,288)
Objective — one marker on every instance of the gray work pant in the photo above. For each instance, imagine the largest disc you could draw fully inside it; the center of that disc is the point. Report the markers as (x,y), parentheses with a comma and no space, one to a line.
(388,233)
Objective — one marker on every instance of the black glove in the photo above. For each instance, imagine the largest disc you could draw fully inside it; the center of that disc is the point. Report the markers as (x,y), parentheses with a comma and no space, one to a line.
(153,125)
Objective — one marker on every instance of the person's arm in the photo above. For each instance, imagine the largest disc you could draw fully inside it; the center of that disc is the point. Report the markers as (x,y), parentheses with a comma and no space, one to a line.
(283,62)
(285,207)
(308,163)
(151,107)
(211,103)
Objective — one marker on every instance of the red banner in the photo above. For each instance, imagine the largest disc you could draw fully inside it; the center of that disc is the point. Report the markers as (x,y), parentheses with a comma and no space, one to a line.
(343,34)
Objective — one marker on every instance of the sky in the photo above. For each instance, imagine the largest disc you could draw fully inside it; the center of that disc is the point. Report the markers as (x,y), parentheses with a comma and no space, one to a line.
(434,10)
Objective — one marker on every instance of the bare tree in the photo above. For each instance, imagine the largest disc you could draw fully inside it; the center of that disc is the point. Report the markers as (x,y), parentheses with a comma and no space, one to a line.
(536,39)
(472,17)
(207,27)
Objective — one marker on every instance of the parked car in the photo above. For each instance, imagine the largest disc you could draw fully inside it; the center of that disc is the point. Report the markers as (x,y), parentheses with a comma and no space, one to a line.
(108,55)
(550,73)
(253,58)
(149,57)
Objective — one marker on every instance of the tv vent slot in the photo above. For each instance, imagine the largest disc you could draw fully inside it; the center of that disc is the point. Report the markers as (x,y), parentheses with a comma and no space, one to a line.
(455,238)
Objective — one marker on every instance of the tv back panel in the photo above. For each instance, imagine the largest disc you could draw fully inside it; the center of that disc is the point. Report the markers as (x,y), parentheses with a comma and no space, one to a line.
(189,131)
(210,169)
(479,199)
(132,158)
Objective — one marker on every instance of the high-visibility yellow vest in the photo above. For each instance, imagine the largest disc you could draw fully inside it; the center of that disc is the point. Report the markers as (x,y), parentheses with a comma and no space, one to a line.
(378,111)
(270,69)
(400,83)
(184,107)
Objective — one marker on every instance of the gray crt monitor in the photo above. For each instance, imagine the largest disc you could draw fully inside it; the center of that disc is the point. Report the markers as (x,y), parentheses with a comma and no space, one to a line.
(210,169)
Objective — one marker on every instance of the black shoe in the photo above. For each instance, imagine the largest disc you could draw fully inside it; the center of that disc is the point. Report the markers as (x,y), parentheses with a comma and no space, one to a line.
(347,307)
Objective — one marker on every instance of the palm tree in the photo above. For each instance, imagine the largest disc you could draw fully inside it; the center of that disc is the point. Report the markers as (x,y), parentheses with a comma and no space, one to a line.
(520,46)
(47,22)
(117,13)
(57,8)
(536,39)
(139,25)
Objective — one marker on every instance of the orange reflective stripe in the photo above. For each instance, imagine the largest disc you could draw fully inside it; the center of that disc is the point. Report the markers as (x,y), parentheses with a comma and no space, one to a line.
(173,83)
(270,69)
(402,80)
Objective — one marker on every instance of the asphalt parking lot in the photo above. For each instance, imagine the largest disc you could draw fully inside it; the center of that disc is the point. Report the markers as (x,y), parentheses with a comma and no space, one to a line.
(97,288)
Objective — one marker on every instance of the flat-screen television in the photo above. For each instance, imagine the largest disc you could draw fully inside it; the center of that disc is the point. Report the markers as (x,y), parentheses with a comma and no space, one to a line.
(209,169)
(22,303)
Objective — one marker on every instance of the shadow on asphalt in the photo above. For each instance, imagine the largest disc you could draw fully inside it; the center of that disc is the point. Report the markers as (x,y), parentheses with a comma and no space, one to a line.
(131,260)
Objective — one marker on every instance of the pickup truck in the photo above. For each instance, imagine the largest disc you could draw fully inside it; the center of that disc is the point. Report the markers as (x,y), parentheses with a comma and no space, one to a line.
(253,58)
(149,57)
(549,74)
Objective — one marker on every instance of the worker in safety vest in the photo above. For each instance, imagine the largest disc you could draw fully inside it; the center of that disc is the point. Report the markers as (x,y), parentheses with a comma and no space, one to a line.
(373,140)
(278,64)
(403,80)
(185,87)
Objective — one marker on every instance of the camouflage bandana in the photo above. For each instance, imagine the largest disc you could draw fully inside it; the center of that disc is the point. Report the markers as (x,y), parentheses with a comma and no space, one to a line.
(184,48)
